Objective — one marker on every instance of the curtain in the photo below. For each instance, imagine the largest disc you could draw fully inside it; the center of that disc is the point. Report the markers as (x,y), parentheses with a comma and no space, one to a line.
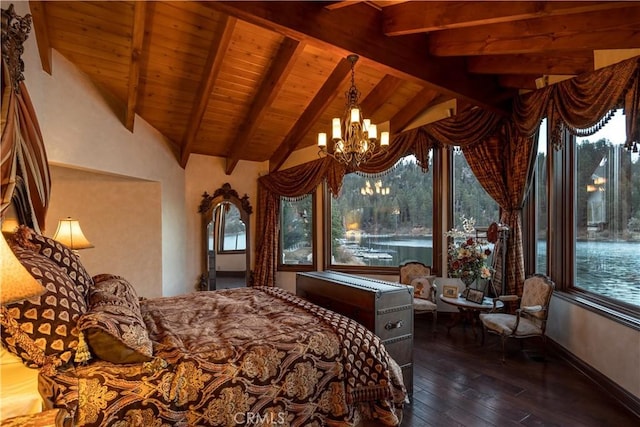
(582,104)
(502,164)
(23,166)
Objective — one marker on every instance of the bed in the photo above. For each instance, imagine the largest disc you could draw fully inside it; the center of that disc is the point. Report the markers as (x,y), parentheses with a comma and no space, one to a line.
(247,356)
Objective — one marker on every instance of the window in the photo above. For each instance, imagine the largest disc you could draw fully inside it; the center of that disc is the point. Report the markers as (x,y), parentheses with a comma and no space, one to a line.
(469,198)
(232,230)
(296,231)
(377,223)
(541,207)
(607,215)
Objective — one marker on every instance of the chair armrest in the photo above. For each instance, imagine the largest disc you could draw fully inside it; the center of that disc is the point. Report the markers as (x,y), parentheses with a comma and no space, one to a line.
(532,308)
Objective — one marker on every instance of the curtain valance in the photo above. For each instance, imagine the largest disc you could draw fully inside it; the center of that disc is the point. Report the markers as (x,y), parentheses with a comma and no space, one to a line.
(582,104)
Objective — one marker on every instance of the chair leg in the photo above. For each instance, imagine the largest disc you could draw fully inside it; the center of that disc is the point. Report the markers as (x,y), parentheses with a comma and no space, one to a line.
(503,339)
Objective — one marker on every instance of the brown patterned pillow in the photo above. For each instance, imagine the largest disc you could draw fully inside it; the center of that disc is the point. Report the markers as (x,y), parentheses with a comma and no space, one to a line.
(60,254)
(113,324)
(50,319)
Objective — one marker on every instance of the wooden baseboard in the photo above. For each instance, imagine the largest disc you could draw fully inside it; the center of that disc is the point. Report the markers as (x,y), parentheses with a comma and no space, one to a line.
(625,398)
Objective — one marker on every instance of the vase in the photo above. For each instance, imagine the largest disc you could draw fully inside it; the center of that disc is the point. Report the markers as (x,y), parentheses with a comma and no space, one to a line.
(468,280)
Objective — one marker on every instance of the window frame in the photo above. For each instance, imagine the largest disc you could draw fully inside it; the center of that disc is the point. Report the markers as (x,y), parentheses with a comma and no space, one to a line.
(437,162)
(314,242)
(561,181)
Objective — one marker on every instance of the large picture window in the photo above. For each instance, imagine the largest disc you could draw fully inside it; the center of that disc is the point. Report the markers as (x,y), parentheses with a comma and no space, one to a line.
(380,222)
(607,215)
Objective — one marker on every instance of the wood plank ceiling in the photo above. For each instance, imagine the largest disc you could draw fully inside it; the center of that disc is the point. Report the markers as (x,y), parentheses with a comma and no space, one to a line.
(257,80)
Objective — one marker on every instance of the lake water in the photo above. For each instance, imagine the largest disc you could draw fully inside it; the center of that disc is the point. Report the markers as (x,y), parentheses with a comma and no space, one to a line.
(607,268)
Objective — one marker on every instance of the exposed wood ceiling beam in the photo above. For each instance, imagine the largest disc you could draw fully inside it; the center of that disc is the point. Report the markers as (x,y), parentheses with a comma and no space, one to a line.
(314,110)
(547,63)
(219,46)
(422,17)
(519,81)
(358,29)
(379,95)
(409,112)
(282,65)
(139,16)
(42,33)
(613,29)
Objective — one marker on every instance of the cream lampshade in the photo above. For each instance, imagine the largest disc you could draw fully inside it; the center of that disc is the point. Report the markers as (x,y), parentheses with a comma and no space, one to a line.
(70,234)
(15,281)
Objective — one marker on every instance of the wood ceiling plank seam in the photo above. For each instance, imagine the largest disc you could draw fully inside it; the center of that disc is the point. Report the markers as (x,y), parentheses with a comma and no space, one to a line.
(587,31)
(40,27)
(219,46)
(72,32)
(323,98)
(97,51)
(63,13)
(139,18)
(418,17)
(286,57)
(403,56)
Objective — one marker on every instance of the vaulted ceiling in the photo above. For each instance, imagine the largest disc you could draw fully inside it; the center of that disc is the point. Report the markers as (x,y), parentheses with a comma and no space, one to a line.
(257,80)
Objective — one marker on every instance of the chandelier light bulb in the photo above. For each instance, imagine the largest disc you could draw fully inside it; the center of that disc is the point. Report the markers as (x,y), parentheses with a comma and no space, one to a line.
(322,139)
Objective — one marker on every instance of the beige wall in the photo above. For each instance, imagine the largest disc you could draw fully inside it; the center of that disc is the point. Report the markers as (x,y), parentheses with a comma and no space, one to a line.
(206,173)
(607,346)
(121,217)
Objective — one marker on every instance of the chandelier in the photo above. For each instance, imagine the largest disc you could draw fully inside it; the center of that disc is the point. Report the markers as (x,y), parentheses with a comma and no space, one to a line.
(355,139)
(377,188)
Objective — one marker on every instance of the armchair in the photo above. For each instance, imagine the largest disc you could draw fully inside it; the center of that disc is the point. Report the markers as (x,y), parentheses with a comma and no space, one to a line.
(418,276)
(529,320)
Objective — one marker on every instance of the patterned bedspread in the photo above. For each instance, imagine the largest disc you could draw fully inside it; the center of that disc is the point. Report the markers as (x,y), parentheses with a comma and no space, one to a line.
(249,356)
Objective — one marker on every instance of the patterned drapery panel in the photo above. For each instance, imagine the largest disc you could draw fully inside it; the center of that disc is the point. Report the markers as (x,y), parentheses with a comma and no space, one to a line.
(24,166)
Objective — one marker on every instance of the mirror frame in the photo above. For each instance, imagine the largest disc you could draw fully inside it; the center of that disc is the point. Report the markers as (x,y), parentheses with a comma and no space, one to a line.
(206,209)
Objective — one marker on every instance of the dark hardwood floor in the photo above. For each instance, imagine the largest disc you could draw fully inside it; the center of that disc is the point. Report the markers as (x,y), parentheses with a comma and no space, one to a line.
(459,382)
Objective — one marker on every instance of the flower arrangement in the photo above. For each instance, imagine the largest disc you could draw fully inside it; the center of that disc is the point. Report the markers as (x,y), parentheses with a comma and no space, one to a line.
(467,259)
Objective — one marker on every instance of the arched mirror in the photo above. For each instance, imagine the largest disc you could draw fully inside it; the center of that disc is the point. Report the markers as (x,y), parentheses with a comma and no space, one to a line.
(226,243)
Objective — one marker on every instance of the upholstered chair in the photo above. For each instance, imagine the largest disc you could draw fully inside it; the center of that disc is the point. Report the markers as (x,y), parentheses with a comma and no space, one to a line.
(529,320)
(418,276)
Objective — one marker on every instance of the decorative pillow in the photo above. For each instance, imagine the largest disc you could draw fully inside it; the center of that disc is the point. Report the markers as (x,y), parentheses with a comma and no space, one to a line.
(60,254)
(50,320)
(113,325)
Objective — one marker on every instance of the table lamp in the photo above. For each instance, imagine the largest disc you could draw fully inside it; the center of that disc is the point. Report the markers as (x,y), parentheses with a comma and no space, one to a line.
(70,234)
